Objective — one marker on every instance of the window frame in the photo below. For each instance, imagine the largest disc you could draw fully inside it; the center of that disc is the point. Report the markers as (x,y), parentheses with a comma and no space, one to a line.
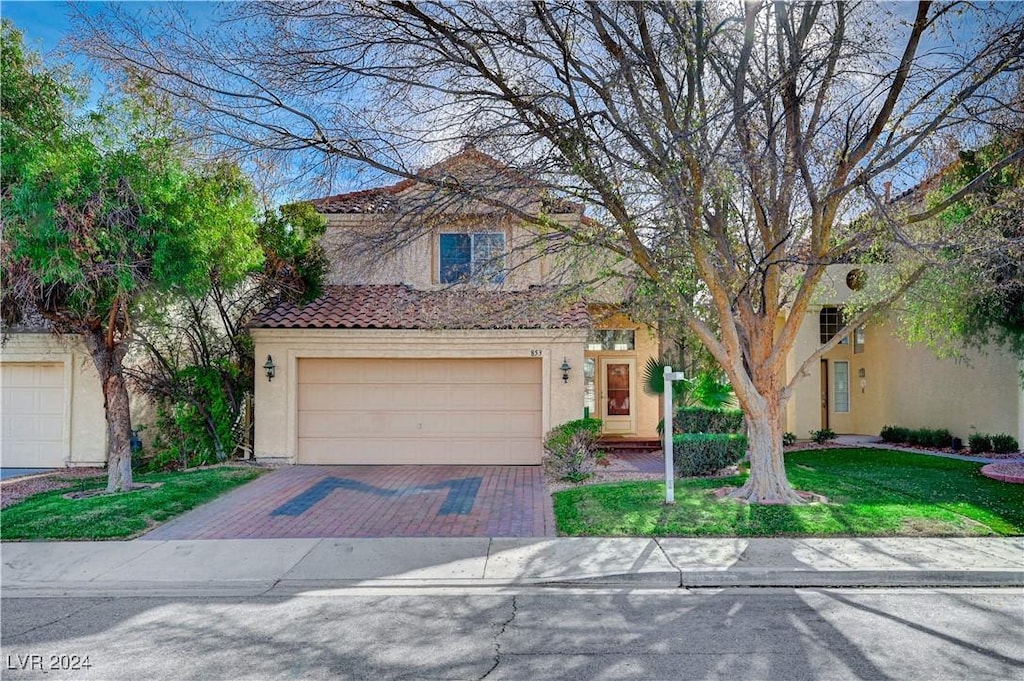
(608,339)
(830,322)
(477,274)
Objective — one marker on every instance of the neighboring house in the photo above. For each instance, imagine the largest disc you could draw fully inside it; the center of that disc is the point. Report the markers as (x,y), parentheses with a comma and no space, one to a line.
(51,414)
(444,344)
(873,378)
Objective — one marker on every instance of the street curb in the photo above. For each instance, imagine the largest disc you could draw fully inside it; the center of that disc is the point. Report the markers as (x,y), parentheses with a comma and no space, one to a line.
(687,579)
(790,578)
(852,578)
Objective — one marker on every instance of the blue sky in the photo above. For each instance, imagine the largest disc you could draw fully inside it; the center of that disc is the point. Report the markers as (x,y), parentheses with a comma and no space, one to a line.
(44,23)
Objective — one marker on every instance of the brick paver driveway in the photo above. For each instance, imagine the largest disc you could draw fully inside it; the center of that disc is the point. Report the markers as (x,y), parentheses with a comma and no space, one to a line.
(376,501)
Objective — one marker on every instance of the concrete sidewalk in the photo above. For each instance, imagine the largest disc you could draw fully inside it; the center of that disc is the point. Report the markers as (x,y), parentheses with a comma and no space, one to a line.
(283,566)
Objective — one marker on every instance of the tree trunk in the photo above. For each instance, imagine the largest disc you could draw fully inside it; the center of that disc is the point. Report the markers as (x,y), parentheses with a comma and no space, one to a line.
(767,483)
(108,361)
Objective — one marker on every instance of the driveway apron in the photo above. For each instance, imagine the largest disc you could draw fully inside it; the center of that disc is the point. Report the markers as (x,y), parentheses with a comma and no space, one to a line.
(376,501)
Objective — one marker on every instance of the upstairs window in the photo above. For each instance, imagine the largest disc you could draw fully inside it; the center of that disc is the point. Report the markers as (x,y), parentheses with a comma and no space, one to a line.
(472,257)
(830,321)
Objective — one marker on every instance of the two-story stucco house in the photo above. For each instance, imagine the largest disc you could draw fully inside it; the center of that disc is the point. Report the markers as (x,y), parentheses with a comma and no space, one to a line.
(873,378)
(447,343)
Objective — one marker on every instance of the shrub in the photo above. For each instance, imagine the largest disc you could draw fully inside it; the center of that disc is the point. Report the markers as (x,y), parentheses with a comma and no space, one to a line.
(572,449)
(195,417)
(788,439)
(1004,444)
(895,434)
(979,442)
(939,438)
(822,436)
(706,453)
(708,420)
(921,437)
(929,437)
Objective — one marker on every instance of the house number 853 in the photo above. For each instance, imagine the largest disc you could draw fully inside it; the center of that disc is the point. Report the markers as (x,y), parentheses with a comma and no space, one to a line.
(536,353)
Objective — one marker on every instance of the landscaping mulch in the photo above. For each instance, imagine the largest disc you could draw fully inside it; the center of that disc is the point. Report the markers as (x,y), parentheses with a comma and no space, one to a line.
(15,489)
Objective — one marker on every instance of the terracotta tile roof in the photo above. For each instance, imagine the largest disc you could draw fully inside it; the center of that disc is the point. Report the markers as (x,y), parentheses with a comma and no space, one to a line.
(401,307)
(379,200)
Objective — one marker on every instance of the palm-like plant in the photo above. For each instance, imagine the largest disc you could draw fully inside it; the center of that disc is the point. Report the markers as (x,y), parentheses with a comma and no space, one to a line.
(704,390)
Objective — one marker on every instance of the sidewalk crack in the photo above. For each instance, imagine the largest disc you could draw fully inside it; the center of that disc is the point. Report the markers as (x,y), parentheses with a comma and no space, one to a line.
(487,558)
(497,638)
(669,559)
(155,545)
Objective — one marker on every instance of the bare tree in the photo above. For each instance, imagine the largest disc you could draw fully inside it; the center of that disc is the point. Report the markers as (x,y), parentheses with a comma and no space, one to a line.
(724,149)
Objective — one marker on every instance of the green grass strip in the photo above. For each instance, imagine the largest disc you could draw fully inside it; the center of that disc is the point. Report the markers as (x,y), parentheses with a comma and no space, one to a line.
(51,516)
(872,492)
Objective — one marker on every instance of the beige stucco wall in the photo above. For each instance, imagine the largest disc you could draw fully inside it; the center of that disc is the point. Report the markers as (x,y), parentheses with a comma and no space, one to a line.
(85,435)
(909,386)
(416,262)
(275,417)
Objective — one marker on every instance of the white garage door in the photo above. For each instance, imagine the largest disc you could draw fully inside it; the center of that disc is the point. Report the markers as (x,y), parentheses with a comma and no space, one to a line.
(33,421)
(419,411)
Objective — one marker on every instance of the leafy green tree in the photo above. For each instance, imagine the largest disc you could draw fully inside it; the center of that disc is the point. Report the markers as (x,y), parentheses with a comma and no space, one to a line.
(103,211)
(197,361)
(977,299)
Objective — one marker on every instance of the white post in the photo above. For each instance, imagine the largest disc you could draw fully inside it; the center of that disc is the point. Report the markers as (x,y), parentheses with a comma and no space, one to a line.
(666,433)
(670,469)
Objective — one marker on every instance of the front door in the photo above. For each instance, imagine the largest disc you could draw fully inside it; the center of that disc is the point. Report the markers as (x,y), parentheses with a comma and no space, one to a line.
(824,394)
(618,390)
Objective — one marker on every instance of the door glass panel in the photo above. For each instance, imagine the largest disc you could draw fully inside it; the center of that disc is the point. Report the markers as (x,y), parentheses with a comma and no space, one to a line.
(589,393)
(842,387)
(617,383)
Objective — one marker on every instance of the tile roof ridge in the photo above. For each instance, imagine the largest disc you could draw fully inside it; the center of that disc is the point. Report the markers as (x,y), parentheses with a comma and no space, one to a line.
(364,193)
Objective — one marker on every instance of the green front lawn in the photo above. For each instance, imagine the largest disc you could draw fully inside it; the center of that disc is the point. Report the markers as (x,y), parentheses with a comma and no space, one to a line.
(50,515)
(871,492)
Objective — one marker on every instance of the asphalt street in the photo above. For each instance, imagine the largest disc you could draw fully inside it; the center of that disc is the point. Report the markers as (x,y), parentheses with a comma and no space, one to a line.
(523,633)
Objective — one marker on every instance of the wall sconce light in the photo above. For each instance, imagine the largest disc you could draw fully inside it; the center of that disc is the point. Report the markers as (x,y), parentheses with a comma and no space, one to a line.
(565,370)
(269,367)
(863,379)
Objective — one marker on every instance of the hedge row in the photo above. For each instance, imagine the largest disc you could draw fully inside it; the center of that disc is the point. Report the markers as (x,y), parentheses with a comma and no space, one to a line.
(1000,444)
(705,453)
(921,437)
(708,420)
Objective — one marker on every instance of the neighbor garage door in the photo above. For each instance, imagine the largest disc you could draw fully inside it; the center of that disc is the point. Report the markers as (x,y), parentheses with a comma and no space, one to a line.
(419,411)
(33,421)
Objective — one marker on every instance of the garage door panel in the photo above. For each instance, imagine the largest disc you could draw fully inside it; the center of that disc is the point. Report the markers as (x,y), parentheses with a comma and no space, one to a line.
(33,423)
(498,398)
(523,396)
(416,451)
(448,411)
(507,424)
(361,397)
